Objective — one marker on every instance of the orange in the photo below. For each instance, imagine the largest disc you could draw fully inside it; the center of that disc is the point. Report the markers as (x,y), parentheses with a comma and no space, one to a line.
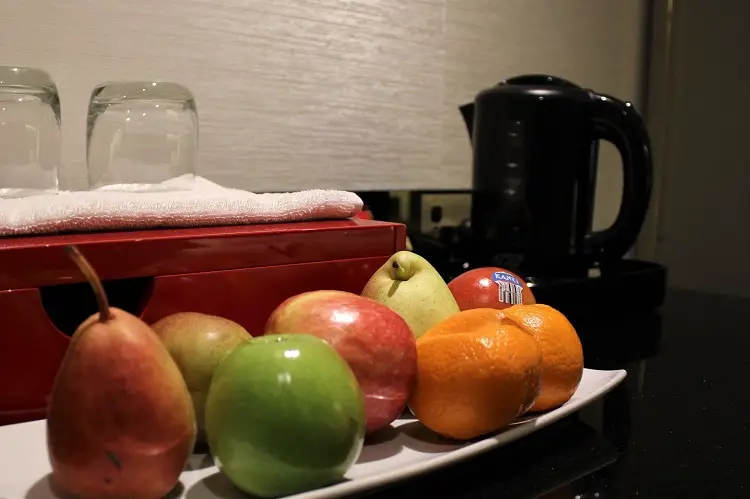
(562,353)
(468,321)
(475,374)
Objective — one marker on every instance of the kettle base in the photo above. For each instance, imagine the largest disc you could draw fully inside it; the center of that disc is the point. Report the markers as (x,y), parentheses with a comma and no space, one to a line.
(626,287)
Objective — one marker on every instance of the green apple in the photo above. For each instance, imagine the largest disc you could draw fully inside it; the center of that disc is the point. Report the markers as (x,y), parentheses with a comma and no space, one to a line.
(284,415)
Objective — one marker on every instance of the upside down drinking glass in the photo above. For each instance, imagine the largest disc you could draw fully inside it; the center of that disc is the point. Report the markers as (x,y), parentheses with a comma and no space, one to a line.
(29,132)
(141,133)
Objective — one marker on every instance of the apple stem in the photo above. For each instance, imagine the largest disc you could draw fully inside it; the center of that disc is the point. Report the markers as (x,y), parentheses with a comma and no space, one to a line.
(96,284)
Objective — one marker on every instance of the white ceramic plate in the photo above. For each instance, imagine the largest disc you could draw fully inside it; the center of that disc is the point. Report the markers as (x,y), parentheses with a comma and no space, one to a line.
(406,450)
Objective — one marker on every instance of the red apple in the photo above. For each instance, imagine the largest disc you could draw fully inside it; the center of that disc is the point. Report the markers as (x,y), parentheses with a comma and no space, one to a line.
(373,339)
(490,287)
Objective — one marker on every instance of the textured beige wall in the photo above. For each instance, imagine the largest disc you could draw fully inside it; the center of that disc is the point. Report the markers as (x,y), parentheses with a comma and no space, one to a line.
(353,94)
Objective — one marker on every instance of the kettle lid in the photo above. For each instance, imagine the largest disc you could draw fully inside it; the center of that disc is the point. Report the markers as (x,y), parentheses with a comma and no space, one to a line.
(540,80)
(534,84)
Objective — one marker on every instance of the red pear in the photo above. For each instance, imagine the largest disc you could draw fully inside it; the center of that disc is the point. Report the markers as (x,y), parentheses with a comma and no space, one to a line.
(373,339)
(120,422)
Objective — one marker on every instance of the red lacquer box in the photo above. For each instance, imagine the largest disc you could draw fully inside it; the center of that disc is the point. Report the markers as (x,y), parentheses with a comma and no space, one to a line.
(241,273)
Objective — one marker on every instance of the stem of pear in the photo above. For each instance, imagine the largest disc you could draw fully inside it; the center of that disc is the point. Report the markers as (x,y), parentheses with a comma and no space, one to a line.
(400,273)
(96,284)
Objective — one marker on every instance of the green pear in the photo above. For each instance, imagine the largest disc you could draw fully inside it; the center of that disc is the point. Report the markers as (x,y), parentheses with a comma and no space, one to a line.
(410,286)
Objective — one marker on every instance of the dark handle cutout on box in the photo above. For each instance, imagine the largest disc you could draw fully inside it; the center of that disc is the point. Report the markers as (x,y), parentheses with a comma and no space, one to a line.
(68,305)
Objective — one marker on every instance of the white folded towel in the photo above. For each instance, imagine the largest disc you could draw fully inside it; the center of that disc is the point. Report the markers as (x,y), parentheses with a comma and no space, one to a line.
(179,202)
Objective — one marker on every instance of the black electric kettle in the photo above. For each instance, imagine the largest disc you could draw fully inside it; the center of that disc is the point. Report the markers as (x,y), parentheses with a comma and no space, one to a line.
(535,148)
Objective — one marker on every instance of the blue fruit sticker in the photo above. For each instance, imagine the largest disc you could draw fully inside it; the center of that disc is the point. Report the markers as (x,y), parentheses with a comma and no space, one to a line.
(510,288)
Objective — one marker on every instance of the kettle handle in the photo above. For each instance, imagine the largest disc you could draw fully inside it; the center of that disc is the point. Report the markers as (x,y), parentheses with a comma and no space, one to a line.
(619,123)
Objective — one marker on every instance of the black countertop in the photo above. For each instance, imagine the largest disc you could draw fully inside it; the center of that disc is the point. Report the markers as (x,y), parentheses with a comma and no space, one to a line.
(677,427)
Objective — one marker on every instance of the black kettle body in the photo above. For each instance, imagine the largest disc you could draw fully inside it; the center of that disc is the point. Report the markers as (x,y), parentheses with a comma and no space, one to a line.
(535,144)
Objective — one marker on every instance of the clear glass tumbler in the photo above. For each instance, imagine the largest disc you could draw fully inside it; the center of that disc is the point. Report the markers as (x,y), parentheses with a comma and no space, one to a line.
(29,132)
(139,134)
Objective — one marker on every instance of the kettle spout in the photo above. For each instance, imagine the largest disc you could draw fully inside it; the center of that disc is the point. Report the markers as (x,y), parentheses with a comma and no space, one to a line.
(467,111)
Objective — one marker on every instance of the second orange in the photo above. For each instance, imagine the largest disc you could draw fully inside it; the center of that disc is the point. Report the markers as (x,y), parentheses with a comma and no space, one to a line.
(475,374)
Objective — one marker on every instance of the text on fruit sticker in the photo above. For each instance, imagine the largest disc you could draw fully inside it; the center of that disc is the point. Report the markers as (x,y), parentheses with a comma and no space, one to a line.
(510,289)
